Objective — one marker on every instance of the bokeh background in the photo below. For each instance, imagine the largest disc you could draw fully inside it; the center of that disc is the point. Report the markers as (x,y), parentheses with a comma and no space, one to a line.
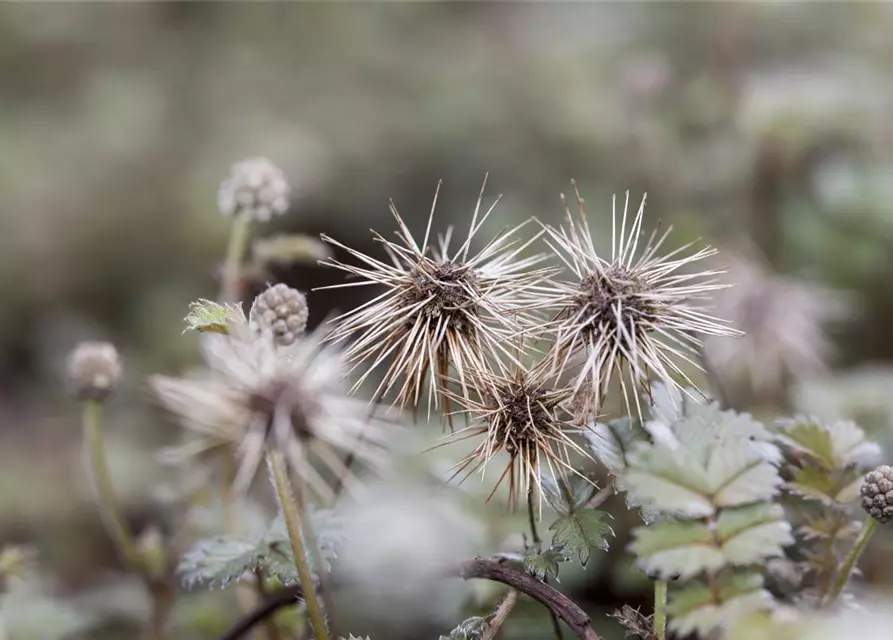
(765,128)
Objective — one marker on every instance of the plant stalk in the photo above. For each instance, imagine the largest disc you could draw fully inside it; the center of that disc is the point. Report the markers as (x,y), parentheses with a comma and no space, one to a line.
(101,478)
(501,614)
(294,524)
(859,546)
(235,251)
(538,545)
(660,609)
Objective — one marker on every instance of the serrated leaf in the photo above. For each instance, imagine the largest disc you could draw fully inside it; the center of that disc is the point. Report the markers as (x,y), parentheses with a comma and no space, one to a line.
(580,532)
(218,561)
(567,494)
(740,536)
(545,563)
(611,442)
(832,446)
(207,316)
(702,609)
(471,629)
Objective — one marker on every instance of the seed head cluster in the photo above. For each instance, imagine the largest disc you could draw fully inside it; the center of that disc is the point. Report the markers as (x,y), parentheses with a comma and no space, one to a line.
(255,188)
(94,369)
(632,317)
(281,310)
(440,310)
(877,493)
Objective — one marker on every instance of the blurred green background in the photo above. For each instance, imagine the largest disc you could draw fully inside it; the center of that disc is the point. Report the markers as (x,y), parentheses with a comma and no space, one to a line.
(764,123)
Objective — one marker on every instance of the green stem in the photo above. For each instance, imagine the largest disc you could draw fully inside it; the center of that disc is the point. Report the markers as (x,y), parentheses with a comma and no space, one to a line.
(660,609)
(235,251)
(294,524)
(98,468)
(858,547)
(538,545)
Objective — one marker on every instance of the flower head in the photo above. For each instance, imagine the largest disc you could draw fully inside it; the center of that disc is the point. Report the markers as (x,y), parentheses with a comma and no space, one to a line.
(281,310)
(630,316)
(877,493)
(523,415)
(439,309)
(783,323)
(256,396)
(255,188)
(94,369)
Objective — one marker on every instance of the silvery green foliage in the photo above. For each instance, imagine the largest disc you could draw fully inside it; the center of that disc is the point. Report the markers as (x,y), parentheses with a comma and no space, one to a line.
(825,466)
(713,476)
(545,563)
(470,629)
(217,561)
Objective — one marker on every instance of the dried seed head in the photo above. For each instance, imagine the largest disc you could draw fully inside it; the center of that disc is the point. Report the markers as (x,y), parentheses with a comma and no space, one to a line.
(783,320)
(255,188)
(631,317)
(281,310)
(441,308)
(94,369)
(256,397)
(877,493)
(522,415)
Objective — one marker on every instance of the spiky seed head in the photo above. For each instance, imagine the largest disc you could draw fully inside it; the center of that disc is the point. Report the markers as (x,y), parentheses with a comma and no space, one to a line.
(255,188)
(783,320)
(877,493)
(256,396)
(281,310)
(522,415)
(632,316)
(440,309)
(94,369)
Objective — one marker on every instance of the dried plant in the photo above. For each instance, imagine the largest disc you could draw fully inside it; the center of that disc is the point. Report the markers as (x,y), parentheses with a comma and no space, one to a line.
(630,316)
(447,309)
(256,395)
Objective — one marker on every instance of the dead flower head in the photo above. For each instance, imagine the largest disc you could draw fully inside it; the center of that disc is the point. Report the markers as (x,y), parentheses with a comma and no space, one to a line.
(524,416)
(783,320)
(630,316)
(440,308)
(256,396)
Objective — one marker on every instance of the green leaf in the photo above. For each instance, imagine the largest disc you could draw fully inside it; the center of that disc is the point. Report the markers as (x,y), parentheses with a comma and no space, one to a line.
(567,494)
(832,446)
(545,563)
(611,442)
(209,316)
(580,532)
(701,610)
(741,536)
(676,548)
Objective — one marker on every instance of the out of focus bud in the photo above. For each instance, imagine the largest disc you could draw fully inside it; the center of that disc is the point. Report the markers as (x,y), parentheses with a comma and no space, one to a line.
(255,188)
(283,311)
(94,369)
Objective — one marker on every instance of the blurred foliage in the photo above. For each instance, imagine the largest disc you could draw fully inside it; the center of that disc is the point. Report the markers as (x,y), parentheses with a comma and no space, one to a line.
(764,124)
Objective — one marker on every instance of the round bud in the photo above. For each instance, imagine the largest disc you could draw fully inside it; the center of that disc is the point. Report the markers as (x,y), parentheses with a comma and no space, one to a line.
(255,188)
(877,493)
(282,311)
(94,369)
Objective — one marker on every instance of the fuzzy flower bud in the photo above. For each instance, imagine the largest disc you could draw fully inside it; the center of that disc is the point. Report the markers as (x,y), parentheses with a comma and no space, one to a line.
(877,493)
(94,369)
(283,311)
(255,188)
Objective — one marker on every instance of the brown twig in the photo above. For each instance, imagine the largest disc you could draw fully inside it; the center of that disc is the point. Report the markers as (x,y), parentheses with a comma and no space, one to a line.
(559,604)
